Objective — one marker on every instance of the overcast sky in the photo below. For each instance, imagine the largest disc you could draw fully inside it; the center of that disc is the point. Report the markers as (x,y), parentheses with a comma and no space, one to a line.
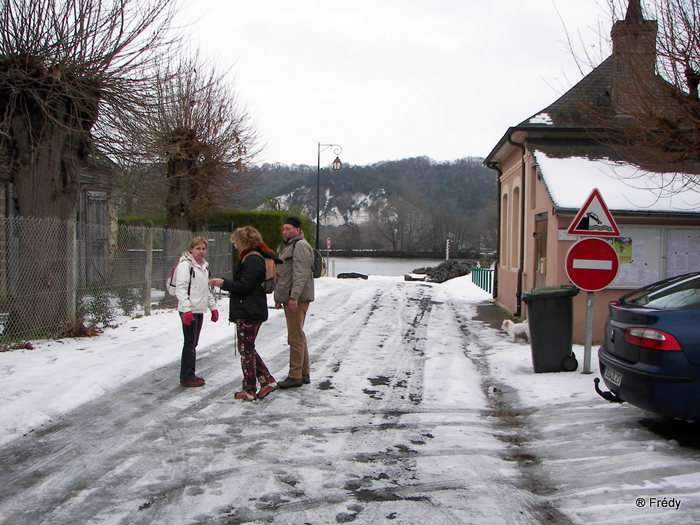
(393,79)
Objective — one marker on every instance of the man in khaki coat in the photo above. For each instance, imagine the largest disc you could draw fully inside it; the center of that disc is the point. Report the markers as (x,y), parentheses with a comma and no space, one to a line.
(294,291)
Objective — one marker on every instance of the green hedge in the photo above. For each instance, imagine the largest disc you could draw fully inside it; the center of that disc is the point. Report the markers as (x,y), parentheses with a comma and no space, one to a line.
(268,223)
(146,222)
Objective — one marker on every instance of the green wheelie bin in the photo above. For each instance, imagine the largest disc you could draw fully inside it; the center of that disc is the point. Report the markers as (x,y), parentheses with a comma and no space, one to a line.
(550,314)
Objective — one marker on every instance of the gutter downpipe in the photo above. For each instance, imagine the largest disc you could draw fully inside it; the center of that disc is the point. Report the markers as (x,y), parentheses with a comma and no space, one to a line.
(494,166)
(519,291)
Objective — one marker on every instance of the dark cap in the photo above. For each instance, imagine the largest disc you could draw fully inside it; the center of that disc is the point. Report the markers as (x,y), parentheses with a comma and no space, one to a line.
(293,221)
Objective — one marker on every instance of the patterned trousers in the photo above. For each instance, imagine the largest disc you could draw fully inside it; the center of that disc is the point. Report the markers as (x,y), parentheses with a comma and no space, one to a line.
(251,363)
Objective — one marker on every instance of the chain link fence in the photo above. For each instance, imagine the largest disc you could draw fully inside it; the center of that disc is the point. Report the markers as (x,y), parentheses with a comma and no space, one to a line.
(63,278)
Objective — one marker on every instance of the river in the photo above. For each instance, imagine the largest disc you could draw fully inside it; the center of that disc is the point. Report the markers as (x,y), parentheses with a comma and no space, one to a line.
(387,266)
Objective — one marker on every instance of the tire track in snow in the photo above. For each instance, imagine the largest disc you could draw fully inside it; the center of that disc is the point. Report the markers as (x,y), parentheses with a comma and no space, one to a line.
(361,443)
(512,426)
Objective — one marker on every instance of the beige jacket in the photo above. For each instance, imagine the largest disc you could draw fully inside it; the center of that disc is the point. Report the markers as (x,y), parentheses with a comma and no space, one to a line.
(296,280)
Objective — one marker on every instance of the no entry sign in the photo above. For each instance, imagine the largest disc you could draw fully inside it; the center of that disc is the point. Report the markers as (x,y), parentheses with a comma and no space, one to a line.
(591,264)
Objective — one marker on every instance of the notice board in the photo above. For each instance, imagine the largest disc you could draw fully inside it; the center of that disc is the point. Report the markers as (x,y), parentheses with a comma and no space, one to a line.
(651,253)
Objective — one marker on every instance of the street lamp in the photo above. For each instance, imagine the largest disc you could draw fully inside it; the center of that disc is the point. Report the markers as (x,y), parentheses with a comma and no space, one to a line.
(337,150)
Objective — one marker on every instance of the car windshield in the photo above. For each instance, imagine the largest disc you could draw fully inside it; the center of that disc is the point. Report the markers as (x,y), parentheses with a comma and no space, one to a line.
(677,293)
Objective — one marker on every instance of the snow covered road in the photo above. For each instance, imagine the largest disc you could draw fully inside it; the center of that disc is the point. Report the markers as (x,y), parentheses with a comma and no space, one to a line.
(416,414)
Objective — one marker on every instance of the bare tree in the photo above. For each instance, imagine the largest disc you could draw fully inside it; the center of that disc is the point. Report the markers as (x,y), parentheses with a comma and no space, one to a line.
(463,230)
(651,116)
(67,67)
(200,139)
(404,225)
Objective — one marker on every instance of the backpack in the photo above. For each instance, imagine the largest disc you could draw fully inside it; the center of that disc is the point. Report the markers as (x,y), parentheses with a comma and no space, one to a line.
(170,283)
(270,281)
(319,266)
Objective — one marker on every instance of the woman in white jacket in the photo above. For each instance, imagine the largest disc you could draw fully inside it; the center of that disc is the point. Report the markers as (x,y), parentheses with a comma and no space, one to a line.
(194,298)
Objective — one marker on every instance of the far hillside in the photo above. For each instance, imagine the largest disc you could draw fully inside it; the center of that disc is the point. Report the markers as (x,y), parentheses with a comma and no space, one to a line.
(403,206)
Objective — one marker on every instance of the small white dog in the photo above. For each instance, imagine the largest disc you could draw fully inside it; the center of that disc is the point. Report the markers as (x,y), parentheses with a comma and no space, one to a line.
(516,330)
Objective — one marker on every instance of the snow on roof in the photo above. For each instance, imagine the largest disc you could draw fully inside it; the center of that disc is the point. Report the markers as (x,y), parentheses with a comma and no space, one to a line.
(624,187)
(541,118)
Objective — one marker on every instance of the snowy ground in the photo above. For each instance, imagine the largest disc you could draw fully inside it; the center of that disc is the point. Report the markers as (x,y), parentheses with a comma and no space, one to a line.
(416,413)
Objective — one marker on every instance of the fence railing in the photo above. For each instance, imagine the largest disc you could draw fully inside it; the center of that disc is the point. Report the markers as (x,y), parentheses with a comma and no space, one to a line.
(59,278)
(483,278)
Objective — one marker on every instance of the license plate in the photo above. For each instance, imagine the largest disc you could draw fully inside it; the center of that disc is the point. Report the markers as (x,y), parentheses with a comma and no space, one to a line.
(613,376)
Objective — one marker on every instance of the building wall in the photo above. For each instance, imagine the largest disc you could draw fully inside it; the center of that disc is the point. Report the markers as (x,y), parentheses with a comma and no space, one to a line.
(508,267)
(538,205)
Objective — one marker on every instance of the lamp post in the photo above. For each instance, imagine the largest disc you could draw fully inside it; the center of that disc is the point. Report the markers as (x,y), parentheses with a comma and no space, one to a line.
(337,150)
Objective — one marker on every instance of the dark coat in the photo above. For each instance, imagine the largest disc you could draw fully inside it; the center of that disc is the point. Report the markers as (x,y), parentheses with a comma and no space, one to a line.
(248,299)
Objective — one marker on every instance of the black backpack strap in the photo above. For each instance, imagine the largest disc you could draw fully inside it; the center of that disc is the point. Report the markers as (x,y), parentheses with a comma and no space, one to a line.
(312,261)
(256,252)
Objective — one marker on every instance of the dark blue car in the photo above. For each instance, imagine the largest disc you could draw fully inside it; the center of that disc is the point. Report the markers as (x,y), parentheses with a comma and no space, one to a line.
(651,354)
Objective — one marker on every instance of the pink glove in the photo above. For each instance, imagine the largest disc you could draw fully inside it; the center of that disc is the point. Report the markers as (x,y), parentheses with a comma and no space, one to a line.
(188,318)
(214,316)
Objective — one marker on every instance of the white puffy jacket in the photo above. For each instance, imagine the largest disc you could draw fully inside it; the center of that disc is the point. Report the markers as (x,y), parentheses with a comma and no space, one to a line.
(190,275)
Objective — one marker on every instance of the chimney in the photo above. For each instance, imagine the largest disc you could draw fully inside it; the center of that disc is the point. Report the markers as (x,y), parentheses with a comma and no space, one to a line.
(634,60)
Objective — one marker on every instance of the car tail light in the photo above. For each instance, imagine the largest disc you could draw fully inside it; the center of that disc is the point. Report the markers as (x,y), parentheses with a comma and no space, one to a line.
(650,338)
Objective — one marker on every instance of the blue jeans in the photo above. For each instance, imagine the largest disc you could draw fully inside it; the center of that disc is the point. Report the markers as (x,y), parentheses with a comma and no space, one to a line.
(189,347)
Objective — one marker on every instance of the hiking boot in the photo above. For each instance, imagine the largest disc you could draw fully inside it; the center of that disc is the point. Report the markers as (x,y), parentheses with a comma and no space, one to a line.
(290,382)
(197,382)
(245,396)
(305,378)
(267,389)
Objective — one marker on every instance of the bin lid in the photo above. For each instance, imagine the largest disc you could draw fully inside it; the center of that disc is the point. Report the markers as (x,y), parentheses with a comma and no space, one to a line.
(546,292)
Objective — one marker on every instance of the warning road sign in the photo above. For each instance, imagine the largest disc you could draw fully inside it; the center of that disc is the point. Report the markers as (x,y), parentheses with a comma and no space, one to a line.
(594,219)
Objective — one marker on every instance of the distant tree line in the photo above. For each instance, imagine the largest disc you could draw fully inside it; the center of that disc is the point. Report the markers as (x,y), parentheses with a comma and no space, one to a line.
(409,205)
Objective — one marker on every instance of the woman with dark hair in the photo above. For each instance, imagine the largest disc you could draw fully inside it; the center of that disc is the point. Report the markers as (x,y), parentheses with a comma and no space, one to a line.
(248,309)
(194,298)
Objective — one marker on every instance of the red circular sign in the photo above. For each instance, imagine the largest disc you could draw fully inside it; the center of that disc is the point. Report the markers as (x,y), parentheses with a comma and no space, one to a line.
(592,264)
(328,243)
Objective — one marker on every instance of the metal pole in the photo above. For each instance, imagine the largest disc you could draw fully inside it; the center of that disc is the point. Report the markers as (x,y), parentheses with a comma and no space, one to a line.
(589,334)
(318,193)
(337,150)
(149,270)
(72,277)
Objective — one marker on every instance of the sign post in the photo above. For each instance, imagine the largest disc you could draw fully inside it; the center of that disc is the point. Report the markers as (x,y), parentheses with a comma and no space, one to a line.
(592,265)
(328,256)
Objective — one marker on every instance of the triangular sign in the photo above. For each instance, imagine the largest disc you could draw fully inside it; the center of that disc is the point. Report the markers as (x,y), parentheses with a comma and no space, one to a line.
(594,219)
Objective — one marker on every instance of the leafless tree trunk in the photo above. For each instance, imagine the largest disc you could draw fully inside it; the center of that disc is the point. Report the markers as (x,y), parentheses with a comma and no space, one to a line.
(402,224)
(201,139)
(67,69)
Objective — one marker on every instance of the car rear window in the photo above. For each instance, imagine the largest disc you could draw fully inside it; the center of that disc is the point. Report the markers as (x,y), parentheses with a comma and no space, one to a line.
(675,294)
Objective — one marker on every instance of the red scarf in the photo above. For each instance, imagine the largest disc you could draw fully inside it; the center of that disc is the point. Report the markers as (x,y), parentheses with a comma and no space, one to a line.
(262,247)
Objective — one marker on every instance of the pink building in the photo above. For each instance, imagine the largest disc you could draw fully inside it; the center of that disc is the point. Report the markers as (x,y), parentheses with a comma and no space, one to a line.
(550,163)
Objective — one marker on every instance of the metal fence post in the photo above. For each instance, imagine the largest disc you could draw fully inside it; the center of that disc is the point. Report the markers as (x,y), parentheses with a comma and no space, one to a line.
(149,269)
(72,267)
(483,278)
